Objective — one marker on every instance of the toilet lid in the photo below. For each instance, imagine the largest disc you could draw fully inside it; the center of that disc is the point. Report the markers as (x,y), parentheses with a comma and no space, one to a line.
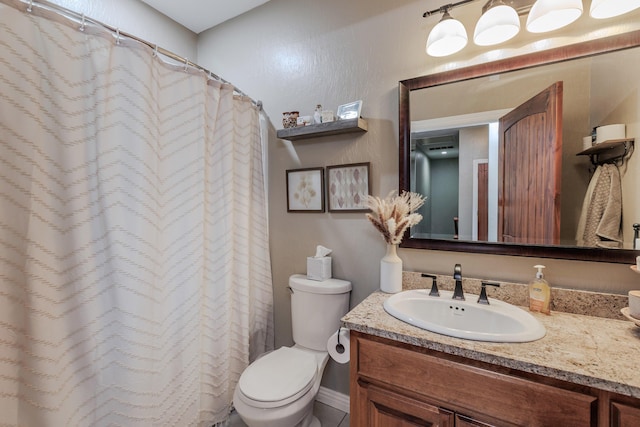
(279,375)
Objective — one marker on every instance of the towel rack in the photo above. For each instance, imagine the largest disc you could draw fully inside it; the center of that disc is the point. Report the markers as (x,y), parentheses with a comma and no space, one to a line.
(611,151)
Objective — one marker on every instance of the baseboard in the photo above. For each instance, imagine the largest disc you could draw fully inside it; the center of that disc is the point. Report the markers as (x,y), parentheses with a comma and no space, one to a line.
(334,399)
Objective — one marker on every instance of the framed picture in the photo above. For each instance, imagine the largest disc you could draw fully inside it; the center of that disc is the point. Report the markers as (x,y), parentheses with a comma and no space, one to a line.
(348,187)
(305,190)
(350,110)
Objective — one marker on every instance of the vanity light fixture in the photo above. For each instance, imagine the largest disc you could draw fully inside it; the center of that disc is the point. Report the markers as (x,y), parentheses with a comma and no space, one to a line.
(447,37)
(500,20)
(549,15)
(497,24)
(601,9)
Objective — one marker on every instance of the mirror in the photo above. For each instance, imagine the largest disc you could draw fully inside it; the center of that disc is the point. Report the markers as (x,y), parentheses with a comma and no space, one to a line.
(449,145)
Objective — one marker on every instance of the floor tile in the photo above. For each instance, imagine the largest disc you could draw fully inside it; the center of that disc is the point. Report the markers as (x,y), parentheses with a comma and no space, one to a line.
(235,420)
(328,416)
(345,421)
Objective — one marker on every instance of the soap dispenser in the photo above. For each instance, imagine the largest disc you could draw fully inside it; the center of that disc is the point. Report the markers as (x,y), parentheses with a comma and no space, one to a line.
(540,293)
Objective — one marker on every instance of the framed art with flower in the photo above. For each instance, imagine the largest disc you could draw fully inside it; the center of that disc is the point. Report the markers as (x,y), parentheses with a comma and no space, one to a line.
(348,187)
(305,190)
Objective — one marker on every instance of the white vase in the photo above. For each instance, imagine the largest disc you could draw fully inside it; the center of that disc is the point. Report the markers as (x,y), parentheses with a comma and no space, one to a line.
(391,271)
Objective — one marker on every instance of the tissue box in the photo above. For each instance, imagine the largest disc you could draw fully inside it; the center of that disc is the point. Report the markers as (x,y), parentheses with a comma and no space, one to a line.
(319,268)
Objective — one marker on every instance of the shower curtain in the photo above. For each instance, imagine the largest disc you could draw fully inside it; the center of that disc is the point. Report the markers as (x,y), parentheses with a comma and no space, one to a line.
(135,281)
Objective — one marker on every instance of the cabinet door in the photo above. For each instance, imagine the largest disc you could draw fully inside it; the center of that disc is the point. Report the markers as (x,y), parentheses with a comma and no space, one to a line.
(388,409)
(464,421)
(624,415)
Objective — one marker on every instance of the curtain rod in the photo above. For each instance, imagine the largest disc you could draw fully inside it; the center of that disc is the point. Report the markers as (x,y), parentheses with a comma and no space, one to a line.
(82,19)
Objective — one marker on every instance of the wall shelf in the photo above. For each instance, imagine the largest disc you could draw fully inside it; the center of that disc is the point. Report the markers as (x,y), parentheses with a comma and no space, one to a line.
(323,129)
(613,150)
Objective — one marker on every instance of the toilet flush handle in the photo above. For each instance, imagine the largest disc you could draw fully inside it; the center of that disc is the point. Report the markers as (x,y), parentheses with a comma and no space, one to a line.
(290,289)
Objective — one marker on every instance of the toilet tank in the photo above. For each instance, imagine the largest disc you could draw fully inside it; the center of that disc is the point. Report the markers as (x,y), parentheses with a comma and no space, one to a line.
(316,309)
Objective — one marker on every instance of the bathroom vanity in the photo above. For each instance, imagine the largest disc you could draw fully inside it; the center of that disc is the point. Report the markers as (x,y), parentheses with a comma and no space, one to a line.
(584,372)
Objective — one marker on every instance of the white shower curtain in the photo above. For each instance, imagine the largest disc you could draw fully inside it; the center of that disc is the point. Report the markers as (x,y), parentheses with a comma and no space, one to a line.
(135,280)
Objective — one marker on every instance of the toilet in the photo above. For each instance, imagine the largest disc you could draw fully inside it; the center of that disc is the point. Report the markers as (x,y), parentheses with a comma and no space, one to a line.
(279,388)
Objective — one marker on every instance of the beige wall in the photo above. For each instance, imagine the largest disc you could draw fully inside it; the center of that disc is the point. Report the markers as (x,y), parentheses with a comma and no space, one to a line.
(293,54)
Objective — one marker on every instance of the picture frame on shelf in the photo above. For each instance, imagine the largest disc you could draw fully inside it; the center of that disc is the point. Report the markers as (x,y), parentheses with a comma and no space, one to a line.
(348,186)
(305,190)
(350,110)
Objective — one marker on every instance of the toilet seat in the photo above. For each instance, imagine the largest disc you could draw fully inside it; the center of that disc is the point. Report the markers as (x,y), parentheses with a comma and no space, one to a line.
(278,378)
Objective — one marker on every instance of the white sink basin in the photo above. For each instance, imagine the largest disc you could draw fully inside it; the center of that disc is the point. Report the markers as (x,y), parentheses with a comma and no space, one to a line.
(497,322)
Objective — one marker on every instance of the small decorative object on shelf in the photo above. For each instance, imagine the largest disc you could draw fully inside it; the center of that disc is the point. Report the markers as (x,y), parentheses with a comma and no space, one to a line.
(290,119)
(350,111)
(317,115)
(327,116)
(305,120)
(392,216)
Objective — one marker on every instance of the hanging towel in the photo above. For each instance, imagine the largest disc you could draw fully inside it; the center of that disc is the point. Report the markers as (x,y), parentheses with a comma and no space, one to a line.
(585,207)
(601,220)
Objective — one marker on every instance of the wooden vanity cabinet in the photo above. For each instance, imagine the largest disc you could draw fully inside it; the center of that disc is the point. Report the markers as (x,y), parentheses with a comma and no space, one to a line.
(396,384)
(624,415)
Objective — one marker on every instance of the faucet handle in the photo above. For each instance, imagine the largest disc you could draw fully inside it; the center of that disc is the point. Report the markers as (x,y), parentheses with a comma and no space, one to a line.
(457,272)
(482,299)
(434,285)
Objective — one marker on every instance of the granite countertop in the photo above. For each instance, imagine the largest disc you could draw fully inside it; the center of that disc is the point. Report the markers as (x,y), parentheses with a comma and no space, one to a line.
(598,352)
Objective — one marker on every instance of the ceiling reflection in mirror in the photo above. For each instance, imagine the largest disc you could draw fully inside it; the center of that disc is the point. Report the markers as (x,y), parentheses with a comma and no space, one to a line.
(456,150)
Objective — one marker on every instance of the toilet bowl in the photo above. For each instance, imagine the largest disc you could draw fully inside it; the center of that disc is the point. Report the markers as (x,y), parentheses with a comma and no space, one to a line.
(279,388)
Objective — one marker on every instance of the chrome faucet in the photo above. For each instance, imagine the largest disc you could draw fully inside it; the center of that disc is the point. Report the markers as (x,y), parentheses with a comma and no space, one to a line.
(457,276)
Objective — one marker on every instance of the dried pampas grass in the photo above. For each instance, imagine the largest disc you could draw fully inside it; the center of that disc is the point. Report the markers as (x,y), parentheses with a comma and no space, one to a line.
(395,213)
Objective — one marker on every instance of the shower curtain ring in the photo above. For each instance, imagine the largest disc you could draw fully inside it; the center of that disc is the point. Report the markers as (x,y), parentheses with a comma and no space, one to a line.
(83,24)
(117,35)
(186,64)
(155,52)
(30,7)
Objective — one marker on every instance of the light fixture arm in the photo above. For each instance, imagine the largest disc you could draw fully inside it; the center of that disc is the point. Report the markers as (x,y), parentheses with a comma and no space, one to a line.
(491,3)
(445,8)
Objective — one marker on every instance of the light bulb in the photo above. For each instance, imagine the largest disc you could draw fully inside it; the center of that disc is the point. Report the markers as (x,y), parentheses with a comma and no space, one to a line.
(549,15)
(498,24)
(447,37)
(601,9)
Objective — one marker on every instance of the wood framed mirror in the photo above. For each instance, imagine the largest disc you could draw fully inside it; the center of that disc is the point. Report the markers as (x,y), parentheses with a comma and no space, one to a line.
(434,89)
